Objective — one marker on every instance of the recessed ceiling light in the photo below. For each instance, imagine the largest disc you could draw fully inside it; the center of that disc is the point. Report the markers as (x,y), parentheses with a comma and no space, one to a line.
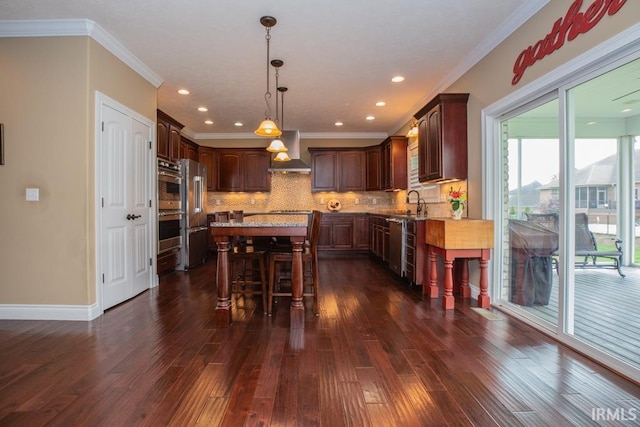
(238,124)
(338,123)
(626,110)
(183,92)
(380,104)
(370,118)
(591,123)
(203,109)
(208,122)
(397,79)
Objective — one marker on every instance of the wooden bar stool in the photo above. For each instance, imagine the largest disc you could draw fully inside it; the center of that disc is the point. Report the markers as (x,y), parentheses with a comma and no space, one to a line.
(280,285)
(247,265)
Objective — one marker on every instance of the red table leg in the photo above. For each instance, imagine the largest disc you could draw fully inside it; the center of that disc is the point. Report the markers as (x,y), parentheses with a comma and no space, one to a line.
(484,301)
(447,298)
(432,290)
(222,317)
(465,290)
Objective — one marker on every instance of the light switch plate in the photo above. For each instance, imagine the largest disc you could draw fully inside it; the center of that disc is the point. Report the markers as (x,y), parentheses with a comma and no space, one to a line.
(33,194)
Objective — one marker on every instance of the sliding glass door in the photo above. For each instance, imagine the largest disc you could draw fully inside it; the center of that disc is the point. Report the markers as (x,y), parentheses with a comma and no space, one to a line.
(569,213)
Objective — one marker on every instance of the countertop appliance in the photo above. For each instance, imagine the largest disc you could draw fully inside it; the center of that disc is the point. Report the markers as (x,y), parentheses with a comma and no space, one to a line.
(194,202)
(397,245)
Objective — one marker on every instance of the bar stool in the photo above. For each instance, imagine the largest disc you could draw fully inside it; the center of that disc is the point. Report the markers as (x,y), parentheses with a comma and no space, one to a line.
(279,285)
(247,265)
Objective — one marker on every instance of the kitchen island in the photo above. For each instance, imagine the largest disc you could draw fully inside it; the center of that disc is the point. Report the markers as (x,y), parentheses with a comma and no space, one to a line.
(293,226)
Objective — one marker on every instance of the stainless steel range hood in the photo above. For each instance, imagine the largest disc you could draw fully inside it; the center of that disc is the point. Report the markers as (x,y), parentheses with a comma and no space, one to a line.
(291,139)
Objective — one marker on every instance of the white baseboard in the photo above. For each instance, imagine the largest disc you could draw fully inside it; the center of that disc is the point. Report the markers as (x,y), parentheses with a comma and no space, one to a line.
(48,312)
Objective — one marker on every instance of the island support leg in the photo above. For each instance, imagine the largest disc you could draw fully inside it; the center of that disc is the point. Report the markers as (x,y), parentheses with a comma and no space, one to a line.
(297,304)
(222,318)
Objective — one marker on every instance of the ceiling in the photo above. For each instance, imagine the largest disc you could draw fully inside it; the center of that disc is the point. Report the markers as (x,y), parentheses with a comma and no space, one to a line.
(338,55)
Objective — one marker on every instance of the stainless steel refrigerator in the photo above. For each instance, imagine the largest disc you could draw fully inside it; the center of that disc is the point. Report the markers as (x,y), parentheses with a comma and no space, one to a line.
(194,202)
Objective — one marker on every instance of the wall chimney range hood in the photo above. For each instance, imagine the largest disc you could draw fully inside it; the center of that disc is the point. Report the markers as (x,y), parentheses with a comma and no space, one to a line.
(291,139)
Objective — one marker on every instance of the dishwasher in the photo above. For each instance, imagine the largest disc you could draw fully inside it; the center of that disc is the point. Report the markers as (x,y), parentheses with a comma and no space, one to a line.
(397,254)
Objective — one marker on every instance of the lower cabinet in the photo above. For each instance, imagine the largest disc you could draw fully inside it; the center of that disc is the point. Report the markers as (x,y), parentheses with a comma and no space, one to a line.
(379,237)
(168,261)
(343,232)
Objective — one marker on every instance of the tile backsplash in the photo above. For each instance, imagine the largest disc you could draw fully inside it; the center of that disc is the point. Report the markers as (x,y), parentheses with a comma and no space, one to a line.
(293,191)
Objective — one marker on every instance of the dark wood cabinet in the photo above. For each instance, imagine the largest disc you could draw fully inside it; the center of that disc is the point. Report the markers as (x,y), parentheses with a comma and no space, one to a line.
(207,156)
(374,175)
(255,167)
(361,232)
(379,237)
(351,170)
(344,232)
(188,149)
(168,136)
(167,262)
(393,163)
(245,169)
(442,138)
(336,232)
(323,170)
(338,169)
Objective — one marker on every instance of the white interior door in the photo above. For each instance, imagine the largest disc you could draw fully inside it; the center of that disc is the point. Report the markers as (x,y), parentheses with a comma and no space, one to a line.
(125,192)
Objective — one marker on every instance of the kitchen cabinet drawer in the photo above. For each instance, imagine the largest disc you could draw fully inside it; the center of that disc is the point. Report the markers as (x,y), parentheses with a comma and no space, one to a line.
(167,262)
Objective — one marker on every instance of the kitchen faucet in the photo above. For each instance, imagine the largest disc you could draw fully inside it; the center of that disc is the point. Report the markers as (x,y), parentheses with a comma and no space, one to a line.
(419,203)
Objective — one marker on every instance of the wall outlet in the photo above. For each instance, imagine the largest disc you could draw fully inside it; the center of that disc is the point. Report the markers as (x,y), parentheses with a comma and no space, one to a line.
(356,201)
(252,201)
(322,201)
(374,201)
(33,194)
(443,197)
(217,202)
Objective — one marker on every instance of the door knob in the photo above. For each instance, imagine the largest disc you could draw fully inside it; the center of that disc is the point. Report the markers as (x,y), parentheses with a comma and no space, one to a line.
(136,216)
(130,217)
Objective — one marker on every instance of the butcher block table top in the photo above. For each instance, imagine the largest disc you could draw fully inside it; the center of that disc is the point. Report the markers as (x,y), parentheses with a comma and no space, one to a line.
(448,233)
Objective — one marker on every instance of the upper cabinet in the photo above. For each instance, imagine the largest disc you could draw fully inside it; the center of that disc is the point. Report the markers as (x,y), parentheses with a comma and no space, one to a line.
(393,163)
(374,174)
(207,156)
(243,169)
(334,169)
(442,138)
(168,137)
(188,149)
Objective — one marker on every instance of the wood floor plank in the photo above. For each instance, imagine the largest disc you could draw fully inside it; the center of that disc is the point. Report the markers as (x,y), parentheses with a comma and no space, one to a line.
(380,354)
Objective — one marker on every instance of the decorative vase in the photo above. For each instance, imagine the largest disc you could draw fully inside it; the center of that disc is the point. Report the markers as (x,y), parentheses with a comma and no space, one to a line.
(457,213)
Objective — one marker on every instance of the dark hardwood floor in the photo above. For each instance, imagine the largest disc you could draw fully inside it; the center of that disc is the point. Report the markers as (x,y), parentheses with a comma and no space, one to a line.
(379,354)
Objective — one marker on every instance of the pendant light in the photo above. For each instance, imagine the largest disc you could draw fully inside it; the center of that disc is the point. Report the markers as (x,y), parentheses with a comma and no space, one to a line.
(277,146)
(282,156)
(268,127)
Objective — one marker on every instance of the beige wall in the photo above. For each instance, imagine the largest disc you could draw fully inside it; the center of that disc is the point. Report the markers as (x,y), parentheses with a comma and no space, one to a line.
(490,80)
(47,107)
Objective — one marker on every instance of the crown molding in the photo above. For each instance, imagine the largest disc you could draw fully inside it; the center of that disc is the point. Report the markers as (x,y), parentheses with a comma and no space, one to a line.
(500,34)
(305,135)
(75,28)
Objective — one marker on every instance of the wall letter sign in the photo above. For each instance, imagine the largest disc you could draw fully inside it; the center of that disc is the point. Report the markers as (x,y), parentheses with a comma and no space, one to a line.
(565,29)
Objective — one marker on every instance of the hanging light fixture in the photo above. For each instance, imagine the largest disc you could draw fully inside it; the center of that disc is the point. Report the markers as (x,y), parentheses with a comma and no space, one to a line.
(277,145)
(282,156)
(268,127)
(413,130)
